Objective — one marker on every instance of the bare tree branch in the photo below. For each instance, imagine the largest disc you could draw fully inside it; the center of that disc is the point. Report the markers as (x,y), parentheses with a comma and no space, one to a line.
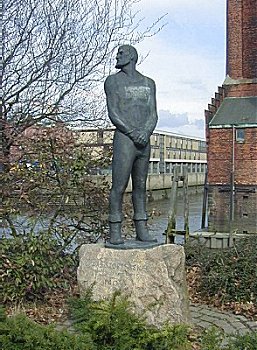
(55,55)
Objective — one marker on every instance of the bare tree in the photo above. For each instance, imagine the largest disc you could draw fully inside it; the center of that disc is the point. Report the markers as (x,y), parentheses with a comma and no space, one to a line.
(55,55)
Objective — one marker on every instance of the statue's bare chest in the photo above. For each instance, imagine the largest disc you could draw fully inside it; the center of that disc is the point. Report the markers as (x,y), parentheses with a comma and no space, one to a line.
(136,92)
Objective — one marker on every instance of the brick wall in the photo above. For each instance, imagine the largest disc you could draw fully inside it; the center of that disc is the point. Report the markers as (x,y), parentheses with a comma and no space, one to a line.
(234,39)
(220,157)
(242,69)
(249,38)
(241,90)
(246,159)
(242,39)
(245,208)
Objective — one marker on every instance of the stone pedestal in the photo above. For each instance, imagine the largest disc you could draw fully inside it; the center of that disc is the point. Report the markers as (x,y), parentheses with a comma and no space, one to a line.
(154,279)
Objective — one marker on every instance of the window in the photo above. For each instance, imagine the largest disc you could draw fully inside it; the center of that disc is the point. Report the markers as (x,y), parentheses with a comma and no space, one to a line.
(185,169)
(240,135)
(155,168)
(100,135)
(168,167)
(150,167)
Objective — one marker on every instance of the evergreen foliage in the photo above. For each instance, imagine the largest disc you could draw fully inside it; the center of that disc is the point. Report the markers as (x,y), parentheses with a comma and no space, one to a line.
(114,327)
(110,325)
(20,333)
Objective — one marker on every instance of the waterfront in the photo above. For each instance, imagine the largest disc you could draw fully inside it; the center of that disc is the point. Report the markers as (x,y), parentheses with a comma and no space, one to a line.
(160,210)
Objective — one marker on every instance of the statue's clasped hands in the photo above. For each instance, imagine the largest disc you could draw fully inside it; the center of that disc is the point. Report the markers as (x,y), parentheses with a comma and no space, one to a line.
(140,139)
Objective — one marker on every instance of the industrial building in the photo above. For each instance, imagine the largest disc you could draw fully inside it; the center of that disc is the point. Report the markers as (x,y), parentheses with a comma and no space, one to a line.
(168,150)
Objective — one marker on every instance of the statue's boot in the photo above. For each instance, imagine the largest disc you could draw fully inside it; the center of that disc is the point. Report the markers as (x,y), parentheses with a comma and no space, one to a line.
(115,233)
(142,233)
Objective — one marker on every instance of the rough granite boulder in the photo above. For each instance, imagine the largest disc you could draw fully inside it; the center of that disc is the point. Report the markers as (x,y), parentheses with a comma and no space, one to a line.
(154,279)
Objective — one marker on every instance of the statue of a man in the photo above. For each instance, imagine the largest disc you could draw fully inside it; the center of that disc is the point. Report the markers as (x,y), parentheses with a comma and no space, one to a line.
(131,103)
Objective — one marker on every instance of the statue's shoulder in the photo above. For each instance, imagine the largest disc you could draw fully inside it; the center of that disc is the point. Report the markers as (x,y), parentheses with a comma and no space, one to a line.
(148,81)
(112,81)
(114,78)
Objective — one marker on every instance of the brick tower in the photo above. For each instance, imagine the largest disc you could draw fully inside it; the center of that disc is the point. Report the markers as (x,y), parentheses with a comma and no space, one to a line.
(231,121)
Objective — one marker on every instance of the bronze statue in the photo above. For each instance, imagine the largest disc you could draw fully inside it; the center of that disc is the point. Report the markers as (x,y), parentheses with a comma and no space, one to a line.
(131,103)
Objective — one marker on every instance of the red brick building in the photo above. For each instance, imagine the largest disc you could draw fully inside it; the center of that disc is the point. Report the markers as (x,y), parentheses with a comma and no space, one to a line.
(231,121)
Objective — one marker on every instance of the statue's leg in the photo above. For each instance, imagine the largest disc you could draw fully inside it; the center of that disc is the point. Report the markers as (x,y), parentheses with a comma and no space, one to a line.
(139,177)
(123,157)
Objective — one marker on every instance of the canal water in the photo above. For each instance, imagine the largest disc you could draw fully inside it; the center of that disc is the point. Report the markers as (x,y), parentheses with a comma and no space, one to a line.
(159,213)
(158,210)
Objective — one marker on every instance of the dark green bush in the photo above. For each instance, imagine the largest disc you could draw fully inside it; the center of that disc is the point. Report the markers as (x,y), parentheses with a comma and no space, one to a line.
(99,326)
(213,339)
(20,333)
(113,327)
(33,264)
(110,326)
(228,274)
(244,342)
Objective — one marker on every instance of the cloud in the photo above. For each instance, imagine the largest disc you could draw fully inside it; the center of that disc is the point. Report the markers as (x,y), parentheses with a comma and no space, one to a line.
(199,123)
(187,57)
(185,82)
(180,124)
(183,11)
(166,119)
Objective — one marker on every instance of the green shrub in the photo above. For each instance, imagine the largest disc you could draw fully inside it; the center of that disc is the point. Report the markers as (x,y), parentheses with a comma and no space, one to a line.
(110,326)
(33,264)
(113,326)
(20,333)
(229,274)
(211,339)
(244,342)
(99,326)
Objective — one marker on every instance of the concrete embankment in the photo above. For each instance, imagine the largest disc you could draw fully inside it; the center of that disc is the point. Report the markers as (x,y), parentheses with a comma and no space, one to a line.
(158,185)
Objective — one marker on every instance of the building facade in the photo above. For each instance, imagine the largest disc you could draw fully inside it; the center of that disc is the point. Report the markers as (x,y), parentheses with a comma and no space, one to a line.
(231,121)
(168,150)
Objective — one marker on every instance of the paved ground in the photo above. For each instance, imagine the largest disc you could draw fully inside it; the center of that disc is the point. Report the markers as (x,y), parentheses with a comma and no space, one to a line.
(206,317)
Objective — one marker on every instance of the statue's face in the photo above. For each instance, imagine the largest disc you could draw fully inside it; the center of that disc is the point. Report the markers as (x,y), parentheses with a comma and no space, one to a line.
(123,57)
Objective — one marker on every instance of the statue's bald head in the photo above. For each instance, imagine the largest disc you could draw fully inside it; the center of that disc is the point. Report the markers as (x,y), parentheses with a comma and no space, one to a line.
(132,51)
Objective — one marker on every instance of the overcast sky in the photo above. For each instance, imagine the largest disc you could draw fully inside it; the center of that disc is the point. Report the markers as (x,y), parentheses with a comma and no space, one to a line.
(186,59)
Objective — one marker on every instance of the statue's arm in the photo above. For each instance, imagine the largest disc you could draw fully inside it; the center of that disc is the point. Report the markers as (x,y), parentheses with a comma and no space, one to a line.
(144,136)
(153,117)
(112,106)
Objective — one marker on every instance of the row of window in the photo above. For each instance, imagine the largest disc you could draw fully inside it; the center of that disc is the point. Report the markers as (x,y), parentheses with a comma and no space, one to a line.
(181,155)
(176,142)
(169,168)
